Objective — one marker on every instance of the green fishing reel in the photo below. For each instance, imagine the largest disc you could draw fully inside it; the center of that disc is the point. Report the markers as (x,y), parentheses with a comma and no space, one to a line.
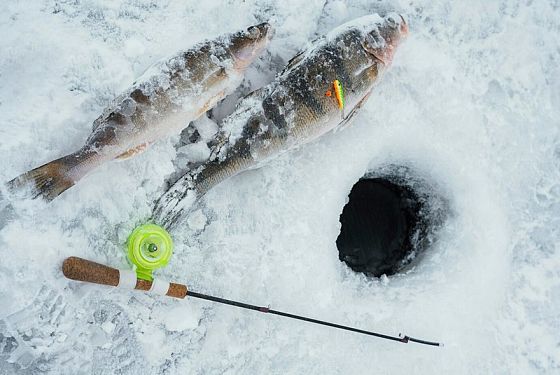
(149,248)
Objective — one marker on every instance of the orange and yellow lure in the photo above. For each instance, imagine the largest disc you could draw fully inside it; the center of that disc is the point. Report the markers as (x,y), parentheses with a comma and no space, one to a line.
(338,92)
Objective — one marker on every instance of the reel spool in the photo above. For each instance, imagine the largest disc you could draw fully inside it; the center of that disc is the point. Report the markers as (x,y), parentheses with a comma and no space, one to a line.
(149,248)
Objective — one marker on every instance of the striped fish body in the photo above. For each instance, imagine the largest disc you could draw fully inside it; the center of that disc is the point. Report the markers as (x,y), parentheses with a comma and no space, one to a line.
(294,109)
(163,101)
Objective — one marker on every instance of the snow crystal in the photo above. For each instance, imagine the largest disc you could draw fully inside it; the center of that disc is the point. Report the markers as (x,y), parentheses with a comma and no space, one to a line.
(470,104)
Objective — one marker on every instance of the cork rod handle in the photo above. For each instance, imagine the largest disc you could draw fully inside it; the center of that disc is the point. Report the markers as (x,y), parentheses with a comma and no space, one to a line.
(87,271)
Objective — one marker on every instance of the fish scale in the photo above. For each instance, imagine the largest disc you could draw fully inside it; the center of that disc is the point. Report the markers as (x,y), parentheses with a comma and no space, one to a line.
(162,102)
(294,109)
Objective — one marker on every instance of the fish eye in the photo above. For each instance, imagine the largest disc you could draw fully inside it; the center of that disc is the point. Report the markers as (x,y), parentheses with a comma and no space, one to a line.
(392,22)
(254,32)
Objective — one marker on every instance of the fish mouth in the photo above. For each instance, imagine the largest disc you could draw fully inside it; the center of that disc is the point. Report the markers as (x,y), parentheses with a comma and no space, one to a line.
(403,28)
(381,43)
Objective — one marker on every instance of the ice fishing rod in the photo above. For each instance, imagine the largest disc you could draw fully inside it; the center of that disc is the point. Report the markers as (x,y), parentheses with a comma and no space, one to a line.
(85,270)
(149,248)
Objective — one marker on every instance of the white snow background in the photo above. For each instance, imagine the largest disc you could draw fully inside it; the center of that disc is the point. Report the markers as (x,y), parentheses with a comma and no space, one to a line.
(471,103)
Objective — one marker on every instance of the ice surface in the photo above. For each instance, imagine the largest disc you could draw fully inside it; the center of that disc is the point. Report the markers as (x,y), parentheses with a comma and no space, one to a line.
(471,103)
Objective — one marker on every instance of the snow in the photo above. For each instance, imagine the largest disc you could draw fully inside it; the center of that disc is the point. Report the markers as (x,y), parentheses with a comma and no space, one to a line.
(471,104)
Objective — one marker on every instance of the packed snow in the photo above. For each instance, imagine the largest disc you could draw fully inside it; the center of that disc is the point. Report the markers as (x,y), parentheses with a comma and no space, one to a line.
(471,104)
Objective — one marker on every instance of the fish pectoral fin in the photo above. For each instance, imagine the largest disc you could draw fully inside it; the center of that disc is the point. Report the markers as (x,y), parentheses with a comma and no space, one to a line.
(293,61)
(133,151)
(211,103)
(346,120)
(218,144)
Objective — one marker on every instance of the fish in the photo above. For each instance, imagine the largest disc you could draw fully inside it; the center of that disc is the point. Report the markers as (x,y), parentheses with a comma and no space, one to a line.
(294,109)
(160,103)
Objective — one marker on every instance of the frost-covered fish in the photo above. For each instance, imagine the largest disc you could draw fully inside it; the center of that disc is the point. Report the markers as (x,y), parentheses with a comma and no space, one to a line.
(294,109)
(162,102)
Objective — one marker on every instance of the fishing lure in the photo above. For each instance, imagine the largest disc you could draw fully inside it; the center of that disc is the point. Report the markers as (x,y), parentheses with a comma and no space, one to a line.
(339,93)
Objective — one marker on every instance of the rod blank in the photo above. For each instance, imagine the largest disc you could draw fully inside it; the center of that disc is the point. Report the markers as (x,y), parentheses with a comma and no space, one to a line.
(87,271)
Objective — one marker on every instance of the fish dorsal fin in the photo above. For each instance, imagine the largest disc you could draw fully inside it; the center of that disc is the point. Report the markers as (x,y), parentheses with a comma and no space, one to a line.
(300,55)
(293,61)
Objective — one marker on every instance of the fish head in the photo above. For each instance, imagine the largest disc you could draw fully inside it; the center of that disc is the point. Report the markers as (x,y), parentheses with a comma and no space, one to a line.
(383,37)
(245,46)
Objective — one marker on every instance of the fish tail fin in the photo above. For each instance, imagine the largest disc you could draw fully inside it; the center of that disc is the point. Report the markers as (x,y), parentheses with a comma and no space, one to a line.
(55,177)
